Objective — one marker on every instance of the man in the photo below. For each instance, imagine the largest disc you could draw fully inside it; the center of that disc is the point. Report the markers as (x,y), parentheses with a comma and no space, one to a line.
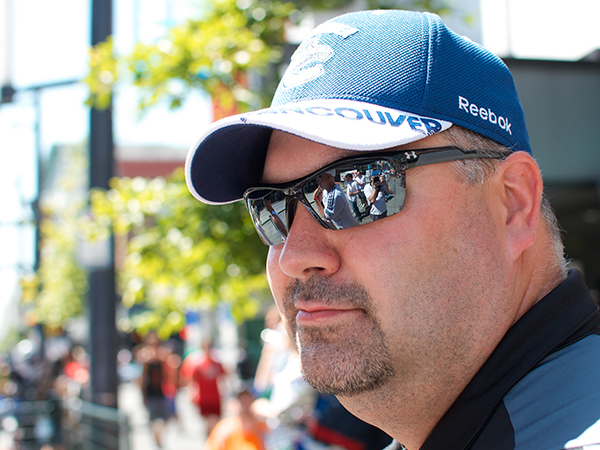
(331,202)
(376,192)
(153,357)
(207,377)
(452,323)
(353,191)
(360,179)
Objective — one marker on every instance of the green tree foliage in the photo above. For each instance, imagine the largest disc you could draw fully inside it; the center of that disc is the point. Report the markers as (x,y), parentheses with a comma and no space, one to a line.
(212,53)
(215,52)
(172,253)
(56,292)
(175,253)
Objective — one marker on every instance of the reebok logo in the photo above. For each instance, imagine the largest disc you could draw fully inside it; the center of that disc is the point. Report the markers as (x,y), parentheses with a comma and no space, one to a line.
(485,114)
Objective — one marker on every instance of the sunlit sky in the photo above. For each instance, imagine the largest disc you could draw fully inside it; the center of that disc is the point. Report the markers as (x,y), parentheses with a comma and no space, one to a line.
(45,42)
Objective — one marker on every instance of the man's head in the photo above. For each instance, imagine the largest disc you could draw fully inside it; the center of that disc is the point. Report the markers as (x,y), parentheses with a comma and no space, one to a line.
(408,307)
(376,177)
(326,180)
(365,81)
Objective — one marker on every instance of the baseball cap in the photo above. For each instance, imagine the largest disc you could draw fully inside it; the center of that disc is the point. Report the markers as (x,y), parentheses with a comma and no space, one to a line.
(376,173)
(365,81)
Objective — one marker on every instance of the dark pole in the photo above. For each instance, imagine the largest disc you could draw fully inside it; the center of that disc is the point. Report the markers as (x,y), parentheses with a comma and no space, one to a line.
(35,207)
(101,277)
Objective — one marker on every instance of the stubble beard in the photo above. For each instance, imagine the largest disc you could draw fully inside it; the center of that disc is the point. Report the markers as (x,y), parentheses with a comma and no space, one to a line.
(344,359)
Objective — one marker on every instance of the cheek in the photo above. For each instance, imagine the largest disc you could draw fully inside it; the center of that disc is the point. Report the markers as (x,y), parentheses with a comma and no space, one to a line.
(420,255)
(275,275)
(278,282)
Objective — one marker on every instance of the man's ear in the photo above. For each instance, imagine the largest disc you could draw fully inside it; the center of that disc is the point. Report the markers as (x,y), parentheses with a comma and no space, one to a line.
(521,186)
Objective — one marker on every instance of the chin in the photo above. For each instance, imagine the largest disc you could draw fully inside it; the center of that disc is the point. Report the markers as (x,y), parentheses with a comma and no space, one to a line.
(346,367)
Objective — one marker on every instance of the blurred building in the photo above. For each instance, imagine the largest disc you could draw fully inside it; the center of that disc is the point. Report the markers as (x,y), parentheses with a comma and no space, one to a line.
(561,100)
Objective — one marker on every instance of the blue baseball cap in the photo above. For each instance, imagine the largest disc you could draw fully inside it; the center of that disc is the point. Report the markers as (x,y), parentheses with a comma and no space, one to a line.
(365,81)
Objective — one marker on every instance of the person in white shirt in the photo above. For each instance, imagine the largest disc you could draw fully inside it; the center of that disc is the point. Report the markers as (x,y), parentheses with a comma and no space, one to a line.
(353,191)
(375,193)
(332,203)
(360,179)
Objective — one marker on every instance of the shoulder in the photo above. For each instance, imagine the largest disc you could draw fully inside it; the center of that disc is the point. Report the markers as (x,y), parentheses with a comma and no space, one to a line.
(559,401)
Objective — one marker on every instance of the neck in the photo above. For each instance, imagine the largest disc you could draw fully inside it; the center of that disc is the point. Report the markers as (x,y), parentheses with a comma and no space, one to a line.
(537,273)
(405,413)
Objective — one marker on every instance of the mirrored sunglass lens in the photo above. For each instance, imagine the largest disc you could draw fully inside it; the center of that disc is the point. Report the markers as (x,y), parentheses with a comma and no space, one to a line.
(338,205)
(346,204)
(269,214)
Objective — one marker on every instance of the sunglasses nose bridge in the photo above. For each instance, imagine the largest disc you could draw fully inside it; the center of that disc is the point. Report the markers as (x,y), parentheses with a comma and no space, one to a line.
(291,202)
(295,195)
(309,209)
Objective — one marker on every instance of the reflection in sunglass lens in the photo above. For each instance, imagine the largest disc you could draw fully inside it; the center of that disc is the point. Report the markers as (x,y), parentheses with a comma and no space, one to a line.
(335,205)
(269,214)
(356,200)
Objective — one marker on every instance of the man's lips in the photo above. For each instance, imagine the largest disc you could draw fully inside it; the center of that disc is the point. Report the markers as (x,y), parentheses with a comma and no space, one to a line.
(310,314)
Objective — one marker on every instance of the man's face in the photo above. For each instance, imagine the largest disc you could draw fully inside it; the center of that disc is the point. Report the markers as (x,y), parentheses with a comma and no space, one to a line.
(407,301)
(326,181)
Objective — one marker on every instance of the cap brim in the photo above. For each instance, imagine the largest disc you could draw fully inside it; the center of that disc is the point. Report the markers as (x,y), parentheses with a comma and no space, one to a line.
(230,156)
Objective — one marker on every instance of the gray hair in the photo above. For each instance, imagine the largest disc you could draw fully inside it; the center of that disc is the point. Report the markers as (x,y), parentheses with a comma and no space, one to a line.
(477,171)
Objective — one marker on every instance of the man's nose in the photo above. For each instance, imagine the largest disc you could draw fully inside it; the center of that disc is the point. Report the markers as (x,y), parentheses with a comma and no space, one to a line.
(308,248)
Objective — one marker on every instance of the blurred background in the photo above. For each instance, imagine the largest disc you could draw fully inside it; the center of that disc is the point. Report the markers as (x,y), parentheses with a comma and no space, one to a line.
(112,277)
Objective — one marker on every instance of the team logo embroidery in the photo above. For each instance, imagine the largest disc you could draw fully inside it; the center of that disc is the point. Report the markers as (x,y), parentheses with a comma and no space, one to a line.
(307,62)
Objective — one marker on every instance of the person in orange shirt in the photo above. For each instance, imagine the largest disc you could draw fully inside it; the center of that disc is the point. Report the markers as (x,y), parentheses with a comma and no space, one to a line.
(244,431)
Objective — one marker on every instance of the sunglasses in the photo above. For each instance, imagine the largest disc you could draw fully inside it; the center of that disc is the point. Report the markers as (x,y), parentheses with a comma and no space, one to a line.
(272,207)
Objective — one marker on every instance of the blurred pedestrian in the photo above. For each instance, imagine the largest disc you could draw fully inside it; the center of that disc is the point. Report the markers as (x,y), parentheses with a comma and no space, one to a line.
(206,378)
(332,424)
(275,353)
(172,383)
(153,357)
(243,431)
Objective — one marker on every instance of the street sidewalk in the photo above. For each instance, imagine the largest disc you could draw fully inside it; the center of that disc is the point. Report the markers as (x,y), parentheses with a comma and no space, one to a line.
(186,433)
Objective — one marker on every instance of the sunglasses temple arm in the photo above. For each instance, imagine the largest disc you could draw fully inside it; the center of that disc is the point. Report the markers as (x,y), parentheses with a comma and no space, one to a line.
(439,157)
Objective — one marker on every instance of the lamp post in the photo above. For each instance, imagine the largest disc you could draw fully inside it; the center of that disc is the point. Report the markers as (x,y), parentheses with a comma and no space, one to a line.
(101,273)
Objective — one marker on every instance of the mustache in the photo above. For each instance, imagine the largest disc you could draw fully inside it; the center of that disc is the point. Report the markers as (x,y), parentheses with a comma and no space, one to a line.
(321,288)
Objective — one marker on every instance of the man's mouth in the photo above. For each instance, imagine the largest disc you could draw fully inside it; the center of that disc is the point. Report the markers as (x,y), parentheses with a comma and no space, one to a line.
(321,315)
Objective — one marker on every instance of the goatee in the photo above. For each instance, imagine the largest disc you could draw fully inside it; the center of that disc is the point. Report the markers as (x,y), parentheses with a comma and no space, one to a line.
(342,359)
